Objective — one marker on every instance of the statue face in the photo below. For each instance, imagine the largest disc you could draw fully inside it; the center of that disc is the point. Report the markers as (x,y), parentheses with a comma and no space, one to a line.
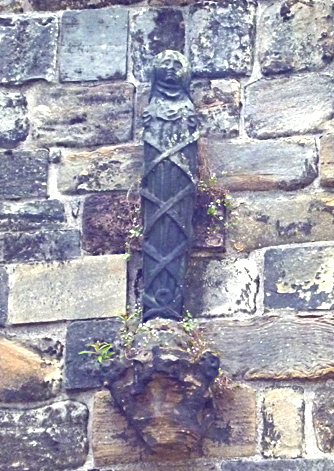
(171,69)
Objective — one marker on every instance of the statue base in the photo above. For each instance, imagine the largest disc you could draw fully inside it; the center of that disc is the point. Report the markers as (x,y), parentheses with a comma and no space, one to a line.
(163,387)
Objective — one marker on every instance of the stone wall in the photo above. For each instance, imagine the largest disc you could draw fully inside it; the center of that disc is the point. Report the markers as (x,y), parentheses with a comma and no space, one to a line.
(74,80)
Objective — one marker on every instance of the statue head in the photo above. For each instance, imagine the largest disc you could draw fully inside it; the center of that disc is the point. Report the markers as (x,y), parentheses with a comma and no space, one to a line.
(171,74)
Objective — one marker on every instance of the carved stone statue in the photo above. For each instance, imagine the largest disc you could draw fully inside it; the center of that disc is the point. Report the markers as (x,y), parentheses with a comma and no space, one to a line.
(168,186)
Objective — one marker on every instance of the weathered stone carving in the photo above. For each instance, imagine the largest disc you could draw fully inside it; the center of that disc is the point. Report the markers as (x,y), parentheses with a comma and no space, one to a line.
(168,186)
(162,382)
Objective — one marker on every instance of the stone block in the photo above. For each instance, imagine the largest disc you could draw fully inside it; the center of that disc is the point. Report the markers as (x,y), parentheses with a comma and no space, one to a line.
(295,36)
(282,438)
(153,31)
(41,246)
(15,6)
(79,369)
(107,220)
(49,437)
(288,106)
(92,287)
(279,465)
(327,161)
(46,5)
(103,169)
(221,287)
(25,375)
(228,23)
(115,441)
(81,116)
(233,434)
(218,104)
(299,278)
(23,173)
(3,295)
(93,45)
(261,220)
(35,56)
(14,124)
(261,165)
(31,215)
(323,418)
(270,347)
(164,3)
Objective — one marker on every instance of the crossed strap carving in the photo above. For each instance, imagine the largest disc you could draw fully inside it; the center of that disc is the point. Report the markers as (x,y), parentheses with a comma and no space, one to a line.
(161,304)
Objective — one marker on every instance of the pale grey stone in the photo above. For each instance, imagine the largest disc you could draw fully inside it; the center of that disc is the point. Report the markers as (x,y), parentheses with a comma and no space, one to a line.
(262,165)
(279,465)
(49,437)
(14,124)
(23,173)
(295,36)
(31,215)
(290,105)
(78,116)
(28,48)
(323,415)
(221,37)
(153,31)
(263,220)
(103,169)
(3,293)
(221,287)
(299,278)
(93,45)
(92,287)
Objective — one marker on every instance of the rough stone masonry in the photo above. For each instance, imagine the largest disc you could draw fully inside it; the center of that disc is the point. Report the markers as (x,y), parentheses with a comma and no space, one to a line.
(74,80)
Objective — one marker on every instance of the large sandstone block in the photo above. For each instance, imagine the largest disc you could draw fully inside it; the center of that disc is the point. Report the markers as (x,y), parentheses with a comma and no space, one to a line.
(3,295)
(25,375)
(232,434)
(295,36)
(50,437)
(153,31)
(31,58)
(261,220)
(23,173)
(93,45)
(55,5)
(261,165)
(81,116)
(103,169)
(299,278)
(327,161)
(279,465)
(92,287)
(221,37)
(283,419)
(31,215)
(79,368)
(323,415)
(288,106)
(14,124)
(221,287)
(273,347)
(41,246)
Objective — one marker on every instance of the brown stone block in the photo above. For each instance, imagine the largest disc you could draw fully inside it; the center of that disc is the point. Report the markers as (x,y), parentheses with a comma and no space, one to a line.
(232,434)
(234,431)
(25,376)
(113,441)
(261,220)
(261,165)
(274,348)
(103,169)
(283,430)
(327,161)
